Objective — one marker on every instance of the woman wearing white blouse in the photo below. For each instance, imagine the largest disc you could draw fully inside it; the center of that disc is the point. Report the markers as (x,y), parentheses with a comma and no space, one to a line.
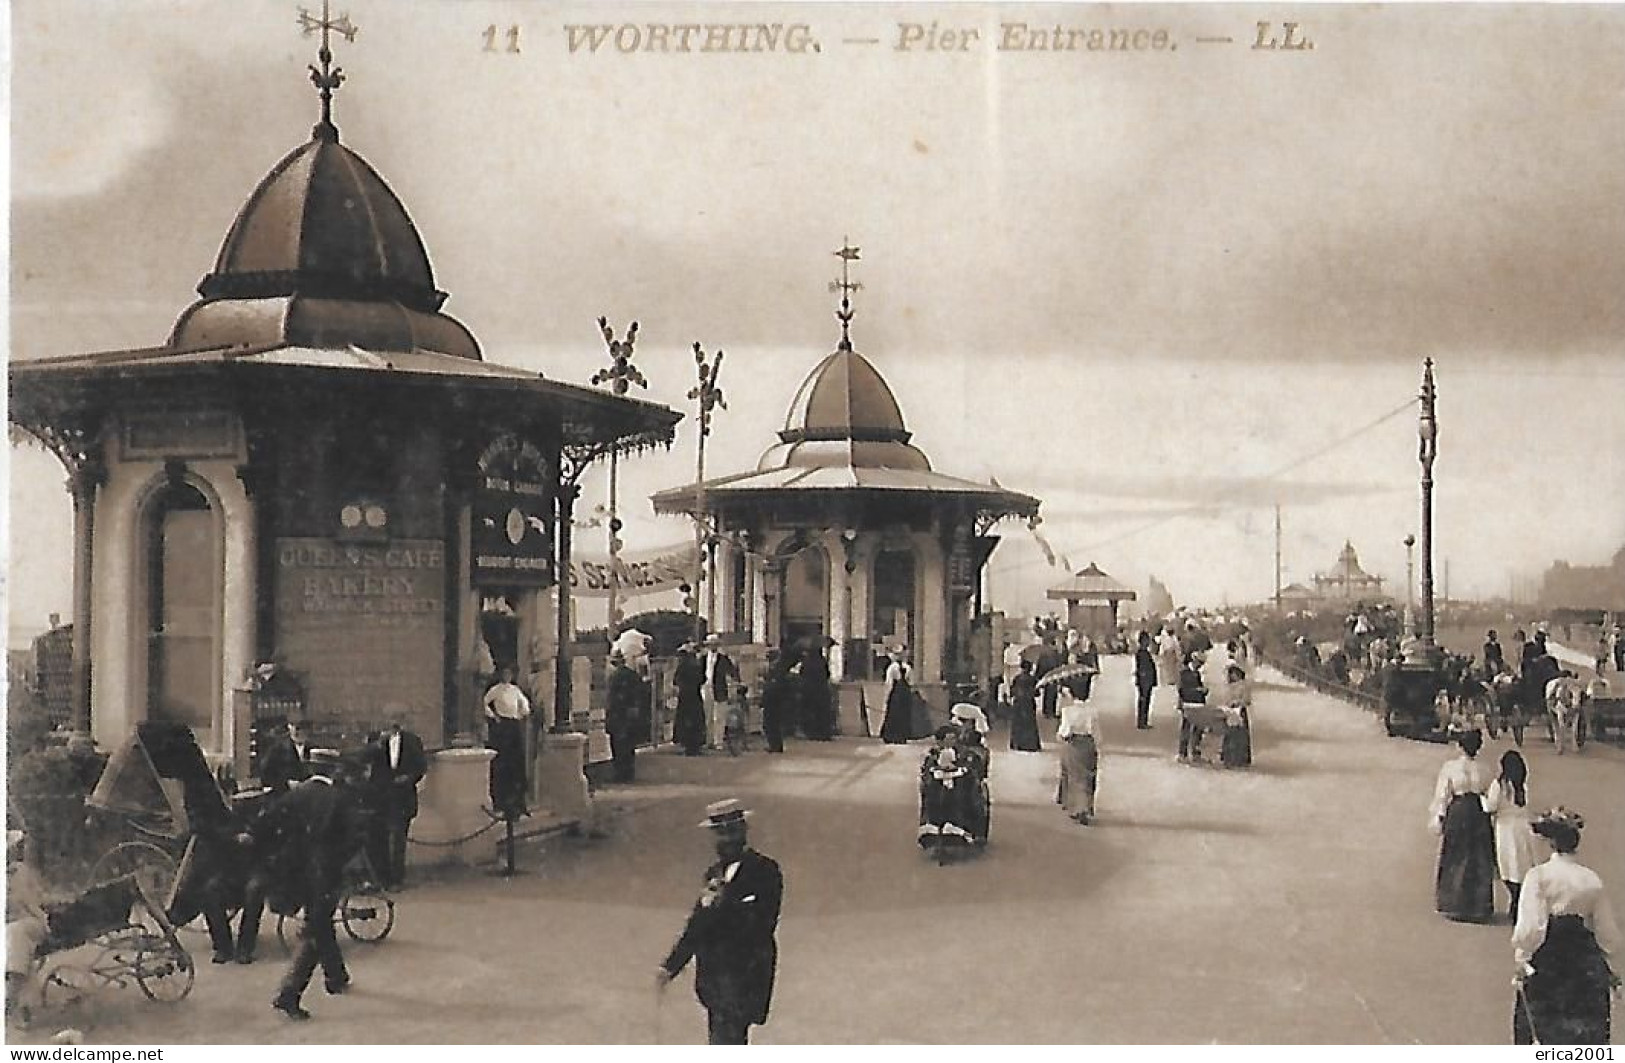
(1566,945)
(1079,735)
(1464,889)
(1507,802)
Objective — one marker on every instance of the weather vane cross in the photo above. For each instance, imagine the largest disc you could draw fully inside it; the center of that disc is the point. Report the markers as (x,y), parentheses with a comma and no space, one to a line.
(846,286)
(327,77)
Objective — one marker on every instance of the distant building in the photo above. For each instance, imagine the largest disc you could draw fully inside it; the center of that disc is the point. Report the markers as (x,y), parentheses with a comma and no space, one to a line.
(1346,581)
(1092,597)
(1567,586)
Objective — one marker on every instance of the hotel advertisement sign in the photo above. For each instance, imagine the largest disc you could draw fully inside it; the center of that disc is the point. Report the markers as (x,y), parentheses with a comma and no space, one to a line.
(512,535)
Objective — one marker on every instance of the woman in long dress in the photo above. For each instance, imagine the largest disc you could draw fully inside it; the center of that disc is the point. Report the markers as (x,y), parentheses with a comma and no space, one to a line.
(1080,757)
(1507,802)
(898,726)
(1567,948)
(776,695)
(688,730)
(1024,710)
(1464,889)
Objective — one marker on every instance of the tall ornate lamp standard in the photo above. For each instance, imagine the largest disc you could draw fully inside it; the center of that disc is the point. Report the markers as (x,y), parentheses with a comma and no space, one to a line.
(1428,450)
(708,396)
(620,376)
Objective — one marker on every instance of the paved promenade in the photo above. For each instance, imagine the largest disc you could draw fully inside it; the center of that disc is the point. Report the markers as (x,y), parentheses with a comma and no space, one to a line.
(1287,903)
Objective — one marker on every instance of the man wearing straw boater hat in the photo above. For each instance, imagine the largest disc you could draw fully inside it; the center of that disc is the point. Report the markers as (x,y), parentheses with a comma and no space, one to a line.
(730,932)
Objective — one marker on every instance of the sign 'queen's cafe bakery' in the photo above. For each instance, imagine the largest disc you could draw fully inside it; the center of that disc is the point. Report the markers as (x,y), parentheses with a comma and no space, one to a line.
(317,467)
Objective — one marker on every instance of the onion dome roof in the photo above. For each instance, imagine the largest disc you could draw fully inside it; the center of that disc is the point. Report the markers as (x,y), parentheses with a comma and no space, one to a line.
(844,414)
(323,253)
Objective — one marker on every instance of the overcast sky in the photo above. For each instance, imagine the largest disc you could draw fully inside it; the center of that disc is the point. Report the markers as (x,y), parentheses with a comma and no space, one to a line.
(1131,284)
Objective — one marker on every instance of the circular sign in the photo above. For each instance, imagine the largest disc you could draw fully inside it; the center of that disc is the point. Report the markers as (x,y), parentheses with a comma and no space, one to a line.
(376,516)
(350,516)
(515,526)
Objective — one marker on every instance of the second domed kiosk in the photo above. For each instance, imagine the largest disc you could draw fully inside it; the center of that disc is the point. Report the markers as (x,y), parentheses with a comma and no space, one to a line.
(845,531)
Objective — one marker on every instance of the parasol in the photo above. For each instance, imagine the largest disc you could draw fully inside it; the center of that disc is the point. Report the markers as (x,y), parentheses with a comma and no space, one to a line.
(1071,671)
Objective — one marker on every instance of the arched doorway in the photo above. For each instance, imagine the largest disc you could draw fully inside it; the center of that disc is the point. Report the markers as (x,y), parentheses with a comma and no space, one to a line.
(892,618)
(806,598)
(182,544)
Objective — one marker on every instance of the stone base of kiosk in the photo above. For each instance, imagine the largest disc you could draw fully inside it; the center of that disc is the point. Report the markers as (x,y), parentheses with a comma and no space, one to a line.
(561,794)
(451,806)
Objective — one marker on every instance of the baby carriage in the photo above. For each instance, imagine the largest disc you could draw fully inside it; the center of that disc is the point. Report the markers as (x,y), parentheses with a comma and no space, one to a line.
(112,934)
(1203,718)
(954,804)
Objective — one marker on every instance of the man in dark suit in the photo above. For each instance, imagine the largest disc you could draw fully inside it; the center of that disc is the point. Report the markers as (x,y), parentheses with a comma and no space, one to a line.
(286,759)
(730,932)
(312,831)
(396,766)
(1145,680)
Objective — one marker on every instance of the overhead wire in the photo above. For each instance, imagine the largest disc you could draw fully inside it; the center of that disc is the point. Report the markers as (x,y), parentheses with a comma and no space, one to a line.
(1218,501)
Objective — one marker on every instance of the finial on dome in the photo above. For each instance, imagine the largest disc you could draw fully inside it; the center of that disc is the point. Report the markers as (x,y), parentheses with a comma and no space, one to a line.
(327,77)
(846,286)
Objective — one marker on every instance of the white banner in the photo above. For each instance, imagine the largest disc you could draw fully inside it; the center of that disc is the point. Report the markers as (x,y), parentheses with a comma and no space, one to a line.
(641,572)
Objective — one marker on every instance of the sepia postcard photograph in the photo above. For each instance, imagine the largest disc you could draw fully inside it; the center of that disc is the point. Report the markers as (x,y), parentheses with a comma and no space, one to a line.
(919,524)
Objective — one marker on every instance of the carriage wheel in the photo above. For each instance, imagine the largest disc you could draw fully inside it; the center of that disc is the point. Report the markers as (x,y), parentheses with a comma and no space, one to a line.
(164,972)
(368,915)
(153,868)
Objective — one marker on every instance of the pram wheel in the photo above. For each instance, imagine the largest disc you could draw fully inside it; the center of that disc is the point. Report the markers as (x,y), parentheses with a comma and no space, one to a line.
(164,973)
(368,916)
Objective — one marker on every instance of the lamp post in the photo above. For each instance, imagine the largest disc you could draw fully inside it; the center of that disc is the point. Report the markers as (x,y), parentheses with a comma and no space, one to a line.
(620,376)
(708,396)
(1410,584)
(1427,452)
(849,565)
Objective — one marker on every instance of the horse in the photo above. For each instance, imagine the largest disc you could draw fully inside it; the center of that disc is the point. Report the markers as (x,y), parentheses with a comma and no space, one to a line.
(1565,704)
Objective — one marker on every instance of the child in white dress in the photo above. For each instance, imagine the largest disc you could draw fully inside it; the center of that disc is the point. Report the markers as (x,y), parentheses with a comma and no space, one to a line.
(1507,802)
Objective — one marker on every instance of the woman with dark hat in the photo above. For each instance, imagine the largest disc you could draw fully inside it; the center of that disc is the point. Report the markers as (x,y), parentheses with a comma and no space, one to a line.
(1566,946)
(689,729)
(1464,889)
(1024,711)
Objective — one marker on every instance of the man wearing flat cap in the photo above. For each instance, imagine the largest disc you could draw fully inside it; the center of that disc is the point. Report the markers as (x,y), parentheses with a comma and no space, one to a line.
(730,932)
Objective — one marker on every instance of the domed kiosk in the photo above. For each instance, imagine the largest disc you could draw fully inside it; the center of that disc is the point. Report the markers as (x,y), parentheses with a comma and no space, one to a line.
(844,531)
(318,468)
